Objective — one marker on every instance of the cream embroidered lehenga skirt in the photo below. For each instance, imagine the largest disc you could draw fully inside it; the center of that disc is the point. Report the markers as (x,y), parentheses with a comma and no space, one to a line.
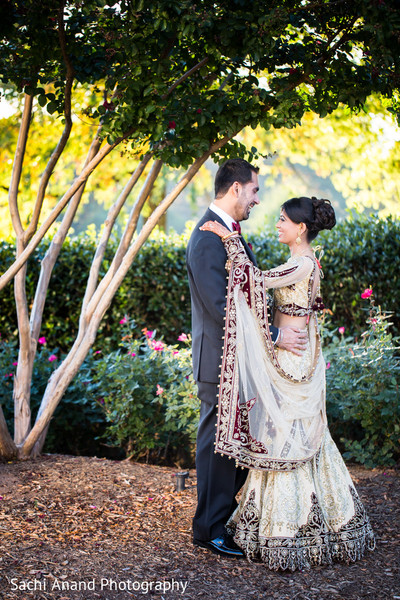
(298,507)
(310,515)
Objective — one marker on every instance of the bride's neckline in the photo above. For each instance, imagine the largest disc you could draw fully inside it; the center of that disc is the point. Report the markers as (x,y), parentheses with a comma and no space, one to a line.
(310,252)
(310,255)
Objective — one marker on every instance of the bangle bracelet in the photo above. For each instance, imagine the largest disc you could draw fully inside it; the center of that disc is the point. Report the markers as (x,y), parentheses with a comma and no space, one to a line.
(230,235)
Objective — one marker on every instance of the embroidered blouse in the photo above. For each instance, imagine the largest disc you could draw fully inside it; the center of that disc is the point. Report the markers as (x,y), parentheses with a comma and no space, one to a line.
(296,299)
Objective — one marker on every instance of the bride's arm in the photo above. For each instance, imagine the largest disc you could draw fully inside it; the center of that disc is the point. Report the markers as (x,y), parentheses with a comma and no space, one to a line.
(280,276)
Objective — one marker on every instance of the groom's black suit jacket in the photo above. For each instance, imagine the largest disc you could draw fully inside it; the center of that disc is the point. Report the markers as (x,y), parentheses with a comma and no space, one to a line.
(206,259)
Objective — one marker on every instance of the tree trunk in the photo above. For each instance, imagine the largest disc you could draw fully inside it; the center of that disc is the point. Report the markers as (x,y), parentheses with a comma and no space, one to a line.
(23,376)
(8,450)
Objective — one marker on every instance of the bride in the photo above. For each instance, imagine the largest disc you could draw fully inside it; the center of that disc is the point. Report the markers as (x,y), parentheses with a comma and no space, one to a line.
(299,506)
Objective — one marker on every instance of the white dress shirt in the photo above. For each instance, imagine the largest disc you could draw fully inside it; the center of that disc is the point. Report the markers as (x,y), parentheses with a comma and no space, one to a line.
(227,219)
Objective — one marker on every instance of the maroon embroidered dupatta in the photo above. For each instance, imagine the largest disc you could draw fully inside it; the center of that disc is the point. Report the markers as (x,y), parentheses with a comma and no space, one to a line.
(267,419)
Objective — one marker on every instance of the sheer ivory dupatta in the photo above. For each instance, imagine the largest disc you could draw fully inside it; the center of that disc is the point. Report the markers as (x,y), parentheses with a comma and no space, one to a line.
(267,419)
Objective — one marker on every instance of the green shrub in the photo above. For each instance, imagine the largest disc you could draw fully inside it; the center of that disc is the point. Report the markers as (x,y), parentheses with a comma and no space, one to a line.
(363,393)
(154,292)
(139,401)
(149,397)
(359,252)
(78,421)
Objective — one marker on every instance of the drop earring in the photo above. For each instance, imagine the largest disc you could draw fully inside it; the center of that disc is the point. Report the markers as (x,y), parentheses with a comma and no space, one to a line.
(298,239)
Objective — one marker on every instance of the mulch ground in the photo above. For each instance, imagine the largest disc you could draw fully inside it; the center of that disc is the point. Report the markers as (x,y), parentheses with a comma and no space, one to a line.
(88,528)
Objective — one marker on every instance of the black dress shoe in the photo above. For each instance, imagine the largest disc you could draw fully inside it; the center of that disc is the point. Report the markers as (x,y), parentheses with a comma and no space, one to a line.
(222,546)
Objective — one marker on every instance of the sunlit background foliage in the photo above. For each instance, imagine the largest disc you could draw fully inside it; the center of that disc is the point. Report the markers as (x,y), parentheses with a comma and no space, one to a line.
(352,159)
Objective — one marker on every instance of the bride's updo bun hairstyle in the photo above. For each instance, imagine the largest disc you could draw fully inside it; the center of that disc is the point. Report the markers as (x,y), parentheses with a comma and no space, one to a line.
(316,214)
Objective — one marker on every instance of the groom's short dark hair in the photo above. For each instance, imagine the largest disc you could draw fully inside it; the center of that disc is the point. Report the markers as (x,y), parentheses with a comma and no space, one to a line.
(234,169)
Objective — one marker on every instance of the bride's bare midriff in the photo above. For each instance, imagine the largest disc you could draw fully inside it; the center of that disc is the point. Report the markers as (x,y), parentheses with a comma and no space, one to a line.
(281,320)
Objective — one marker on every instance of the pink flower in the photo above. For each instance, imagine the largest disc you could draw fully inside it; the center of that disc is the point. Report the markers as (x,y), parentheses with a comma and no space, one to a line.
(160,390)
(341,330)
(132,353)
(366,293)
(15,364)
(183,337)
(123,321)
(147,333)
(199,111)
(9,375)
(175,352)
(328,365)
(52,357)
(158,346)
(171,125)
(98,352)
(42,340)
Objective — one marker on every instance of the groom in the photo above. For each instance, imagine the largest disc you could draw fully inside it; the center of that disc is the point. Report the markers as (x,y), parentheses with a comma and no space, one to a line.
(218,479)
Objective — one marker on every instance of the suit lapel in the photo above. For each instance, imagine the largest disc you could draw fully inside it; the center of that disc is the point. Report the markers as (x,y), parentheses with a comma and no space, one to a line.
(212,216)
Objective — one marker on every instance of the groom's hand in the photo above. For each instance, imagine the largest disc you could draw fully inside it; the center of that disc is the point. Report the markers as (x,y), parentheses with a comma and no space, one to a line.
(292,339)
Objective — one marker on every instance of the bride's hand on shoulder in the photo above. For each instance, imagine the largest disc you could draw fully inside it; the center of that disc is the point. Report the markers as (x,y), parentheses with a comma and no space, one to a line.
(215,227)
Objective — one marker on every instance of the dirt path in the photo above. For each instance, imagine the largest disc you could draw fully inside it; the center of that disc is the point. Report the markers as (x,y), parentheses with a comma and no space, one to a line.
(87,528)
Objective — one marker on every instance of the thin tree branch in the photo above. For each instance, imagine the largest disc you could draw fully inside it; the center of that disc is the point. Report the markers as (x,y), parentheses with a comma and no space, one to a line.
(185,76)
(331,51)
(109,224)
(136,210)
(54,249)
(63,41)
(23,375)
(65,135)
(321,60)
(129,231)
(17,165)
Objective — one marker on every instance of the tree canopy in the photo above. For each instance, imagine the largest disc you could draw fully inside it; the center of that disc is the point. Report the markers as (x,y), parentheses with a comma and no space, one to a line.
(174,75)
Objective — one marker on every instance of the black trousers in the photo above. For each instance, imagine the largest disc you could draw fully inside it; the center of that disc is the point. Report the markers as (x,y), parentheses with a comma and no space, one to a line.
(218,479)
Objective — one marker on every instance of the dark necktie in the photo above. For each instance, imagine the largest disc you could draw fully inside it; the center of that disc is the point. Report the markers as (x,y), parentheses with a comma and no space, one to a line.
(236,227)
